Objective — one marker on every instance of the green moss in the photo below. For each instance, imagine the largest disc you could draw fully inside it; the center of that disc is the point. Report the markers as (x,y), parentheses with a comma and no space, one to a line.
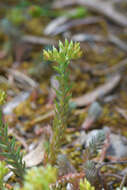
(39,178)
(85,185)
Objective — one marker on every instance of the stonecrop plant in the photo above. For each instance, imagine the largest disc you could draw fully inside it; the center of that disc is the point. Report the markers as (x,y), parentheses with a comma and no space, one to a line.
(8,149)
(62,56)
(11,153)
(3,172)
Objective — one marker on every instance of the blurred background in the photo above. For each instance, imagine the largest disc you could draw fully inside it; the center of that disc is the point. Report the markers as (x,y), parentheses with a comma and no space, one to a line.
(26,28)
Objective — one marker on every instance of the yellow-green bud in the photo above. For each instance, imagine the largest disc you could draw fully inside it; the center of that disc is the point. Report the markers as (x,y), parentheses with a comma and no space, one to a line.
(2,97)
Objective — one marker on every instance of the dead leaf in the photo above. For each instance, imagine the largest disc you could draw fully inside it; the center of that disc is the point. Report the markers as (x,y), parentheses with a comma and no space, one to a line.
(10,106)
(36,156)
(122,112)
(98,92)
